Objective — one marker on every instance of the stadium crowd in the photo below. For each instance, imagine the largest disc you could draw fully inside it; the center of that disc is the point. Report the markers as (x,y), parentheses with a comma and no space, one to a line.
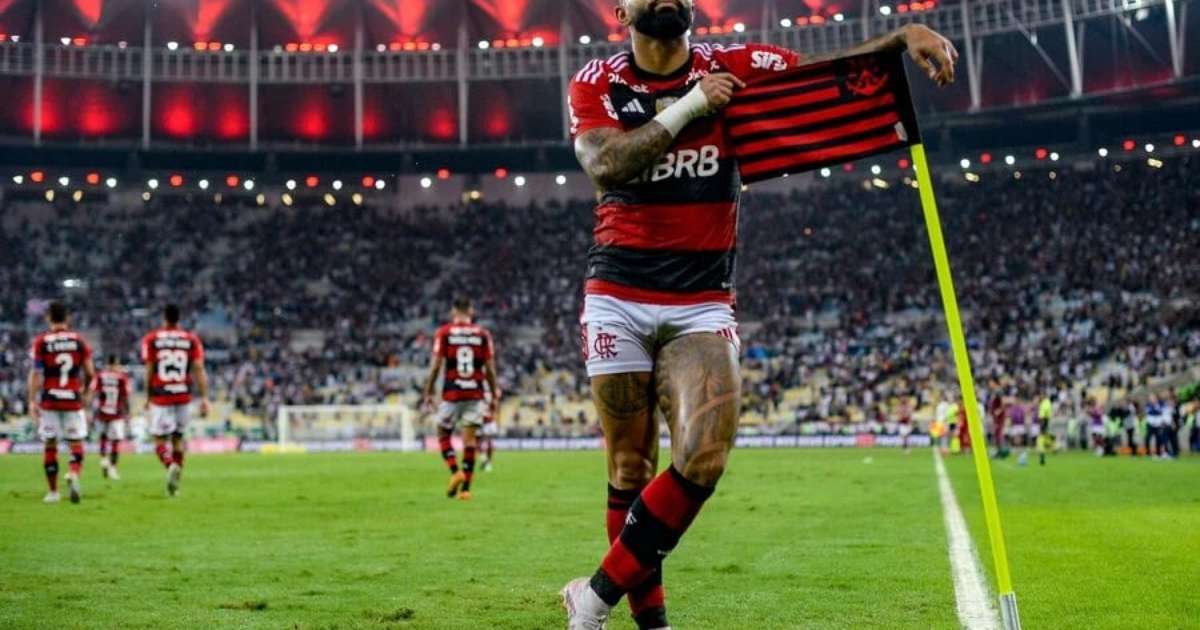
(1065,276)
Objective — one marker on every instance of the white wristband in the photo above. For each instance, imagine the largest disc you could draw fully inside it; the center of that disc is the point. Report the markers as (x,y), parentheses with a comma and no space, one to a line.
(675,117)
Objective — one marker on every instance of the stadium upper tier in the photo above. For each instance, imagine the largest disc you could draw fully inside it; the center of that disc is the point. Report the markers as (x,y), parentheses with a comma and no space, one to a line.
(1068,276)
(307,74)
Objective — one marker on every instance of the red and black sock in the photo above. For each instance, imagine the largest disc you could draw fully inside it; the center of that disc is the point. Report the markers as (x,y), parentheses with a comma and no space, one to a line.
(177,455)
(76,464)
(114,452)
(657,519)
(647,602)
(50,464)
(468,467)
(103,445)
(164,455)
(448,453)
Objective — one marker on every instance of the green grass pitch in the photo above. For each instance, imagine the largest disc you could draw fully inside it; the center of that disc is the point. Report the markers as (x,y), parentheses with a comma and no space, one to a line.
(792,539)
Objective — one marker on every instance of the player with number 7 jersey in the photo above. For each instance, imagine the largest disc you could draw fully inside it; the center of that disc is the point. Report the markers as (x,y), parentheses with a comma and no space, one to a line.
(174,359)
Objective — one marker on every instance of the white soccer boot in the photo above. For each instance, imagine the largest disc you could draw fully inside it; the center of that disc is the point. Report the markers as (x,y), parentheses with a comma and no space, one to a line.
(112,473)
(585,609)
(51,497)
(73,486)
(104,467)
(173,472)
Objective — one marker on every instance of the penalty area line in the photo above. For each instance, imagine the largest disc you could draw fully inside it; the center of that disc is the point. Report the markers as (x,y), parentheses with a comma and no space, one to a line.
(972,600)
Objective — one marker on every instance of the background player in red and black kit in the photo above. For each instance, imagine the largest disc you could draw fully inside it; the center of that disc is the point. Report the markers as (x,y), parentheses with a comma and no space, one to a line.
(466,349)
(111,387)
(58,393)
(173,358)
(658,318)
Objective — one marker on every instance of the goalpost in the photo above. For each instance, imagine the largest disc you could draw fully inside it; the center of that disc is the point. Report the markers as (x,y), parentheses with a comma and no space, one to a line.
(390,424)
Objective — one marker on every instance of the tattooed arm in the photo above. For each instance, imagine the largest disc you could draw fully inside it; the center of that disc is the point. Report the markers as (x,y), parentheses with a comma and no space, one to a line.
(924,45)
(612,157)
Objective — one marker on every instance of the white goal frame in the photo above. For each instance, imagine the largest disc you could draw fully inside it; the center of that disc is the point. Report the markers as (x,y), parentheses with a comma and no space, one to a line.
(408,432)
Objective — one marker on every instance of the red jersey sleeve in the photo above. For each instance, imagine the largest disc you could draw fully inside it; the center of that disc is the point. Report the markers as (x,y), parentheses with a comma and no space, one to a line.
(488,349)
(588,101)
(751,61)
(35,353)
(85,349)
(439,342)
(197,354)
(145,351)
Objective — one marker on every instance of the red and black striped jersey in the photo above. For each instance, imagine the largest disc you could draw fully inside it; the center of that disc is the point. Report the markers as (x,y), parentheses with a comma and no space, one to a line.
(173,352)
(60,355)
(112,394)
(669,235)
(465,349)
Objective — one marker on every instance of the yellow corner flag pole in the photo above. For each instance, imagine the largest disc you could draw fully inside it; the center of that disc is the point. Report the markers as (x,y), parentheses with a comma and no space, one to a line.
(966,382)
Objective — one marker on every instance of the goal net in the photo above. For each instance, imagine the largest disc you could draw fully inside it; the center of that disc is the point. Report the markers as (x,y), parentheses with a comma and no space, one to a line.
(347,427)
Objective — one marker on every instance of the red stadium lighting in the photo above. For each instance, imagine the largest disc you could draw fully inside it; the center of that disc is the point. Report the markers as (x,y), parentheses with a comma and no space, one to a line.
(306,47)
(410,46)
(903,163)
(93,178)
(319,47)
(3,37)
(214,46)
(200,45)
(1040,153)
(703,30)
(1128,145)
(716,30)
(422,45)
(37,177)
(368,182)
(512,42)
(311,181)
(292,47)
(902,8)
(176,180)
(848,167)
(79,41)
(817,19)
(615,37)
(232,181)
(443,173)
(1179,140)
(501,173)
(985,158)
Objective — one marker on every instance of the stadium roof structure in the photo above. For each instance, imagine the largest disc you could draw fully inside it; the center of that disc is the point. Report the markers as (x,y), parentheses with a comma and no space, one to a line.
(284,76)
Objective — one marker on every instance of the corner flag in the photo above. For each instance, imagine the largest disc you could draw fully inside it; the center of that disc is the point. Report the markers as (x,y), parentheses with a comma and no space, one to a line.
(848,109)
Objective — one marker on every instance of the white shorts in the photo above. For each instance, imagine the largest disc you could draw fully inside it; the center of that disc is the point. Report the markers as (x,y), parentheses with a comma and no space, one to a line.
(905,429)
(620,336)
(1016,430)
(491,429)
(165,420)
(468,412)
(112,429)
(69,425)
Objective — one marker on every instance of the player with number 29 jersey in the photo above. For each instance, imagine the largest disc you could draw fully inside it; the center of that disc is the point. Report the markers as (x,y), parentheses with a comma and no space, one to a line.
(173,351)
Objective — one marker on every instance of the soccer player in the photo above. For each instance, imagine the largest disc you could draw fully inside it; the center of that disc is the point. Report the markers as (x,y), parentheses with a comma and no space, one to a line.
(658,323)
(112,411)
(487,436)
(468,348)
(59,380)
(174,359)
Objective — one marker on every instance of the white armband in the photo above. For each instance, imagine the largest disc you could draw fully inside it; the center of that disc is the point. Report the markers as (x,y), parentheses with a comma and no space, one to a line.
(693,105)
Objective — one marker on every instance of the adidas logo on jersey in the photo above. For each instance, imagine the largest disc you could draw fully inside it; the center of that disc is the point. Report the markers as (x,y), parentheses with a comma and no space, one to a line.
(634,107)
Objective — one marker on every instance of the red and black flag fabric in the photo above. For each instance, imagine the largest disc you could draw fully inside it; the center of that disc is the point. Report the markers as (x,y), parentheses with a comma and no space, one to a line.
(821,114)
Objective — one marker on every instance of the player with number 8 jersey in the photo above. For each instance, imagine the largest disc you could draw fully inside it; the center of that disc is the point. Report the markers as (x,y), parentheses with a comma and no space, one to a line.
(466,350)
(174,358)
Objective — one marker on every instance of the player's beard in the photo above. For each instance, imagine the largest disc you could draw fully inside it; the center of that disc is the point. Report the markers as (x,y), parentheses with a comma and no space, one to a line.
(664,25)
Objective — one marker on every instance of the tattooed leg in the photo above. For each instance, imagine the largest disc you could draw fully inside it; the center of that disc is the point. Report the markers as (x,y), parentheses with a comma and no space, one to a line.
(625,403)
(699,389)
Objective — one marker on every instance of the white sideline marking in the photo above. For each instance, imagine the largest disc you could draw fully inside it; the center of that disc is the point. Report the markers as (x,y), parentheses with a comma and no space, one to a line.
(971,597)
